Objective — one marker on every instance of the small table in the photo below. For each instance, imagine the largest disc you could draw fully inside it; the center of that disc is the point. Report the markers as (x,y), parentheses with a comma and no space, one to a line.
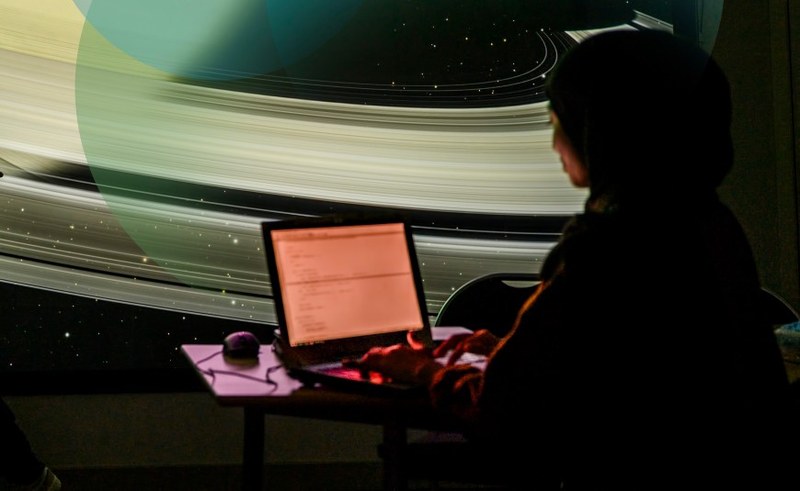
(266,388)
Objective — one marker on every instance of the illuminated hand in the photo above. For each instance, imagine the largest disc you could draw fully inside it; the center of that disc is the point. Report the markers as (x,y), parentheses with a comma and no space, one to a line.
(481,342)
(400,363)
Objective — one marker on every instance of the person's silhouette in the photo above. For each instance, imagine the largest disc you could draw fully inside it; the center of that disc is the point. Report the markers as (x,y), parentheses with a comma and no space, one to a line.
(20,467)
(642,362)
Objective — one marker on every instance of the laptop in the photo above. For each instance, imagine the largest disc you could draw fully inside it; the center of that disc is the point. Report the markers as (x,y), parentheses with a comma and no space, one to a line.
(343,284)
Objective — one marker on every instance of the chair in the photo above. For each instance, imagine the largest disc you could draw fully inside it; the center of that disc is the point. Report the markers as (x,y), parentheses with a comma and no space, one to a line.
(776,309)
(491,302)
(786,322)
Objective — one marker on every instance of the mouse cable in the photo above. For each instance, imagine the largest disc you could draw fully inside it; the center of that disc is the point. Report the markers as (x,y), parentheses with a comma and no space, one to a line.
(213,373)
(203,360)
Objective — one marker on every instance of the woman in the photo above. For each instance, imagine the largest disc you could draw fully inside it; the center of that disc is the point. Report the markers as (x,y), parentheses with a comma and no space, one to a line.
(641,362)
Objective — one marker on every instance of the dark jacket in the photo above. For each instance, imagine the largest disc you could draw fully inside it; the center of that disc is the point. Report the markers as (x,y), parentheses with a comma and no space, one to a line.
(640,363)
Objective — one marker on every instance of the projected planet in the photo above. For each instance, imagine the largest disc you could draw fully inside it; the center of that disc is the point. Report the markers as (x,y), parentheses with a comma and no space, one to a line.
(337,103)
(197,120)
(209,39)
(267,109)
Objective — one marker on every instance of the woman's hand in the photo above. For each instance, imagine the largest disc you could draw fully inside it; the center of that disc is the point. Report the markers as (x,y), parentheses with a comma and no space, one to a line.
(481,342)
(399,362)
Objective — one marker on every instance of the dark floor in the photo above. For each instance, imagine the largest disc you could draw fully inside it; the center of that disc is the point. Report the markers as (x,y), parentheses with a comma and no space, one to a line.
(305,477)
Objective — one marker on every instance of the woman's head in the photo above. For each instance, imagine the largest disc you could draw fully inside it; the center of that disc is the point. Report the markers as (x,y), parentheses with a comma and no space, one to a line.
(646,113)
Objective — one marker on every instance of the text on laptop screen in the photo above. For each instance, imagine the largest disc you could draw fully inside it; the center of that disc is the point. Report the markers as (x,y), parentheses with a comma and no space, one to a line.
(345,281)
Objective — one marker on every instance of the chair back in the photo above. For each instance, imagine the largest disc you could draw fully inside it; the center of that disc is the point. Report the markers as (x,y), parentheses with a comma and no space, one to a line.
(491,301)
(776,310)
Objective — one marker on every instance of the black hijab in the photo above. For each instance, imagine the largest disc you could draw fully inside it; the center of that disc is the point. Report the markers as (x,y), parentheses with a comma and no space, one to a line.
(650,115)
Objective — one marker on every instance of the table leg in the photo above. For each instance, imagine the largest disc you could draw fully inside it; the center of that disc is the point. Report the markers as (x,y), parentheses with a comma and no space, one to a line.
(395,437)
(253,459)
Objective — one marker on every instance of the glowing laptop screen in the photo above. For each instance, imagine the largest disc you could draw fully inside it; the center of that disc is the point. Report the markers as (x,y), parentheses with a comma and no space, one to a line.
(345,281)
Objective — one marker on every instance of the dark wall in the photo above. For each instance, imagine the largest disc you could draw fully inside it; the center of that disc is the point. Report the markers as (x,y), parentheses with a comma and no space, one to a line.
(754,47)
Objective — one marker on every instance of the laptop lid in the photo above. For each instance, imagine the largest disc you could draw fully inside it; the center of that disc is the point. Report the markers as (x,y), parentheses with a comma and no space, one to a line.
(343,284)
